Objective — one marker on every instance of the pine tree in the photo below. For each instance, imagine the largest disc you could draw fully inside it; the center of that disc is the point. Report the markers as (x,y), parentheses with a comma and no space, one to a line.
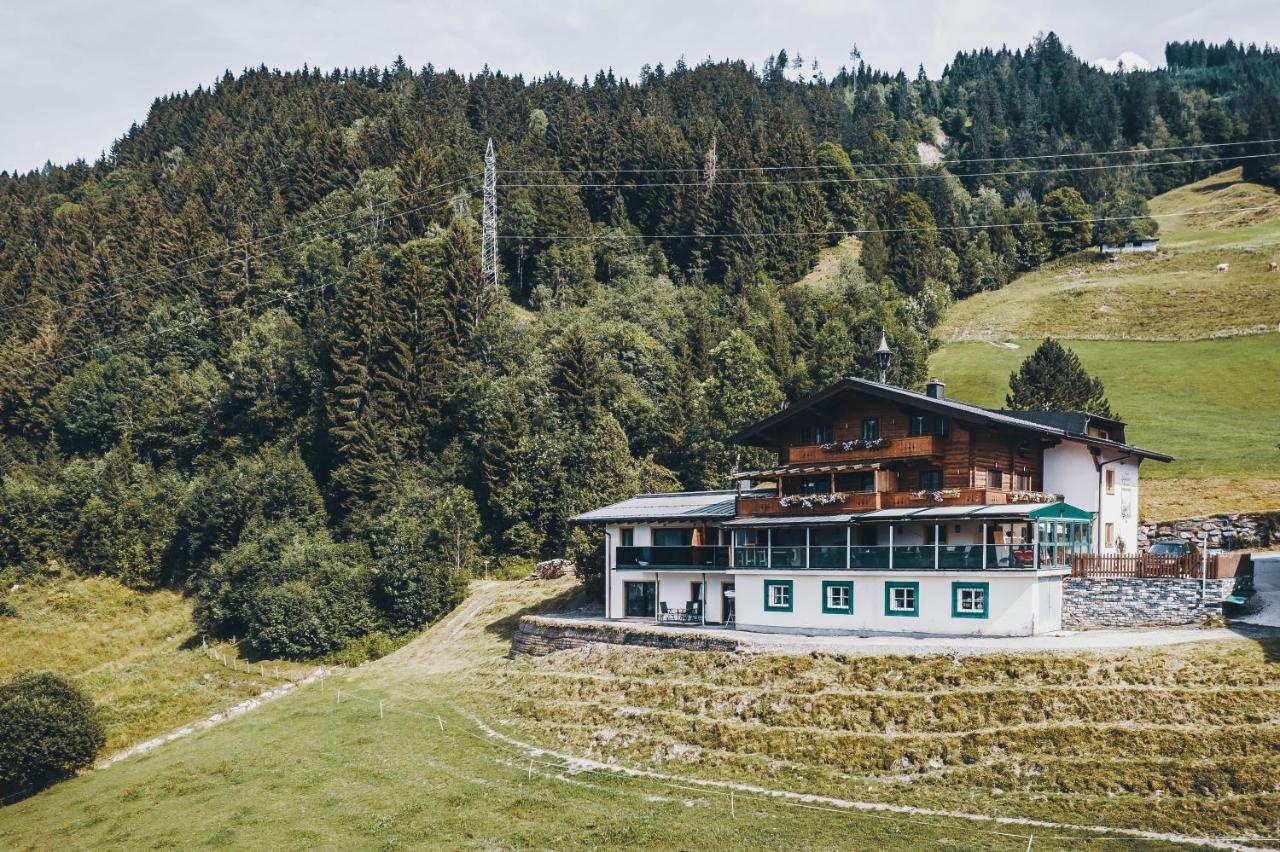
(577,371)
(1053,379)
(469,299)
(356,400)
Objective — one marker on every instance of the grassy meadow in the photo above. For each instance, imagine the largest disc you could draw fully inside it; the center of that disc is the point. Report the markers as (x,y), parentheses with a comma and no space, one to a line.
(1212,404)
(1181,740)
(134,652)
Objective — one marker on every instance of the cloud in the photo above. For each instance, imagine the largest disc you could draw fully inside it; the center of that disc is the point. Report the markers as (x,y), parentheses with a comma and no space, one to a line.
(1130,60)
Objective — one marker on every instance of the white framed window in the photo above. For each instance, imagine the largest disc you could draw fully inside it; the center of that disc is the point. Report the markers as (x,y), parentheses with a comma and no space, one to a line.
(969,600)
(1111,481)
(837,596)
(777,595)
(902,598)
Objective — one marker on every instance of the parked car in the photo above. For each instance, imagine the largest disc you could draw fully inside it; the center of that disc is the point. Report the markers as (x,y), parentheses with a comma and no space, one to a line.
(1172,547)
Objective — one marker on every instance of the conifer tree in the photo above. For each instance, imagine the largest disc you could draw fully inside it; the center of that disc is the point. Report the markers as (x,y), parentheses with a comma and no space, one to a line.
(1053,379)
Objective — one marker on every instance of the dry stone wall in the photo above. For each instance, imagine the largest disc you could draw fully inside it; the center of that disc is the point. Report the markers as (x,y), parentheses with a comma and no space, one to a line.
(538,637)
(1243,530)
(1094,602)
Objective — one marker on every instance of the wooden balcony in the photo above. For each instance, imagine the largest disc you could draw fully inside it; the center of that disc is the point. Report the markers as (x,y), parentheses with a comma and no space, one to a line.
(869,501)
(919,446)
(945,497)
(855,501)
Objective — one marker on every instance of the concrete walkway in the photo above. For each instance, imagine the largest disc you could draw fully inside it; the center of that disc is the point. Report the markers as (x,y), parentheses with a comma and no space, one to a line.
(897,643)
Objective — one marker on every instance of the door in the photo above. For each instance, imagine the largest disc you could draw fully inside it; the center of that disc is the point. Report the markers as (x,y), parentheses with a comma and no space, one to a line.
(729,614)
(641,597)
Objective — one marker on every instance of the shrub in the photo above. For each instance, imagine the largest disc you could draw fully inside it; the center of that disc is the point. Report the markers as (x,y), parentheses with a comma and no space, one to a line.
(424,547)
(415,594)
(48,729)
(372,646)
(7,610)
(290,591)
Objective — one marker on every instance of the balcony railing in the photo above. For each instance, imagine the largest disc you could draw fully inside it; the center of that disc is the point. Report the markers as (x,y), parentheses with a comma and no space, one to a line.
(916,446)
(908,557)
(658,557)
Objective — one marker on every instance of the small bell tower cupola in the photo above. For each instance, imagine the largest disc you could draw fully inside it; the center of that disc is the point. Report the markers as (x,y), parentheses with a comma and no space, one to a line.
(883,356)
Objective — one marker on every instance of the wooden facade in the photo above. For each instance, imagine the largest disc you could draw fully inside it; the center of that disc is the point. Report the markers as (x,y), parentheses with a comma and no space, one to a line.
(903,450)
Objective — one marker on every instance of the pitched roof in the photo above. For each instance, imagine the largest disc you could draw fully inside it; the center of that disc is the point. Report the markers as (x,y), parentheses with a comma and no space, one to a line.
(753,434)
(673,506)
(996,511)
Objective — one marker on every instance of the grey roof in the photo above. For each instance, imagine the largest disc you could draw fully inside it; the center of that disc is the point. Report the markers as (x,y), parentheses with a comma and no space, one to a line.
(915,513)
(673,506)
(971,413)
(788,520)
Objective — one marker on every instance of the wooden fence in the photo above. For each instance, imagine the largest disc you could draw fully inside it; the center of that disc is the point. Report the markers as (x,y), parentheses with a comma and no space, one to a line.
(1146,566)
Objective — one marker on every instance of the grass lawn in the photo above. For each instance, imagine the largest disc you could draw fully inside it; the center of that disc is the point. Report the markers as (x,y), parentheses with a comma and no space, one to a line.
(132,651)
(1177,294)
(1213,404)
(1181,740)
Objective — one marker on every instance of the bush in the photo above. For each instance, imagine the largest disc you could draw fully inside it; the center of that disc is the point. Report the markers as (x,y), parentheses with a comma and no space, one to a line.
(290,591)
(48,729)
(7,610)
(372,646)
(414,595)
(424,548)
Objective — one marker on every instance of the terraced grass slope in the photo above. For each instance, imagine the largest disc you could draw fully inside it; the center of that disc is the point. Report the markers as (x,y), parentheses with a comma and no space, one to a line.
(1188,354)
(1180,740)
(132,651)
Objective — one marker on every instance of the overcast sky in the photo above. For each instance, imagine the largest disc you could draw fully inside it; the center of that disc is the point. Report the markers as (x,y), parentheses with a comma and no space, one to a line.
(74,74)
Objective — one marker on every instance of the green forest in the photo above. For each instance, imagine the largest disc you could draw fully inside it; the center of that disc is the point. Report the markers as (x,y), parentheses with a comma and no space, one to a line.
(250,353)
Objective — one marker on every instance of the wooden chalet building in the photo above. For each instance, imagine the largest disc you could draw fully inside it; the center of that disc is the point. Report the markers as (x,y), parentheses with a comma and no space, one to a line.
(887,510)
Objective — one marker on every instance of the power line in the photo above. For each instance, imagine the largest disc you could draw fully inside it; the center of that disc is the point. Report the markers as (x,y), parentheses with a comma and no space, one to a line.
(940,175)
(859,232)
(1010,158)
(245,243)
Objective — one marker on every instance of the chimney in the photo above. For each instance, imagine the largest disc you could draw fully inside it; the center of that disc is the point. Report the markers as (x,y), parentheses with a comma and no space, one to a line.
(936,389)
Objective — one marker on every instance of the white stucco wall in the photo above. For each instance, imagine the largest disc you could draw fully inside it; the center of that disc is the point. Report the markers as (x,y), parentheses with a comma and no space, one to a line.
(1069,470)
(1019,603)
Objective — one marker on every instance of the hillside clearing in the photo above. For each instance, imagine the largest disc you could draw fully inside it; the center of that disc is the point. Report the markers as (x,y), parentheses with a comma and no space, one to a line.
(1177,294)
(1178,741)
(831,262)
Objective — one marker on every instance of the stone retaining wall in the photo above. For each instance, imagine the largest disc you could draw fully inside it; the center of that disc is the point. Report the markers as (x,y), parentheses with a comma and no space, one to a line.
(1093,602)
(538,637)
(1257,529)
